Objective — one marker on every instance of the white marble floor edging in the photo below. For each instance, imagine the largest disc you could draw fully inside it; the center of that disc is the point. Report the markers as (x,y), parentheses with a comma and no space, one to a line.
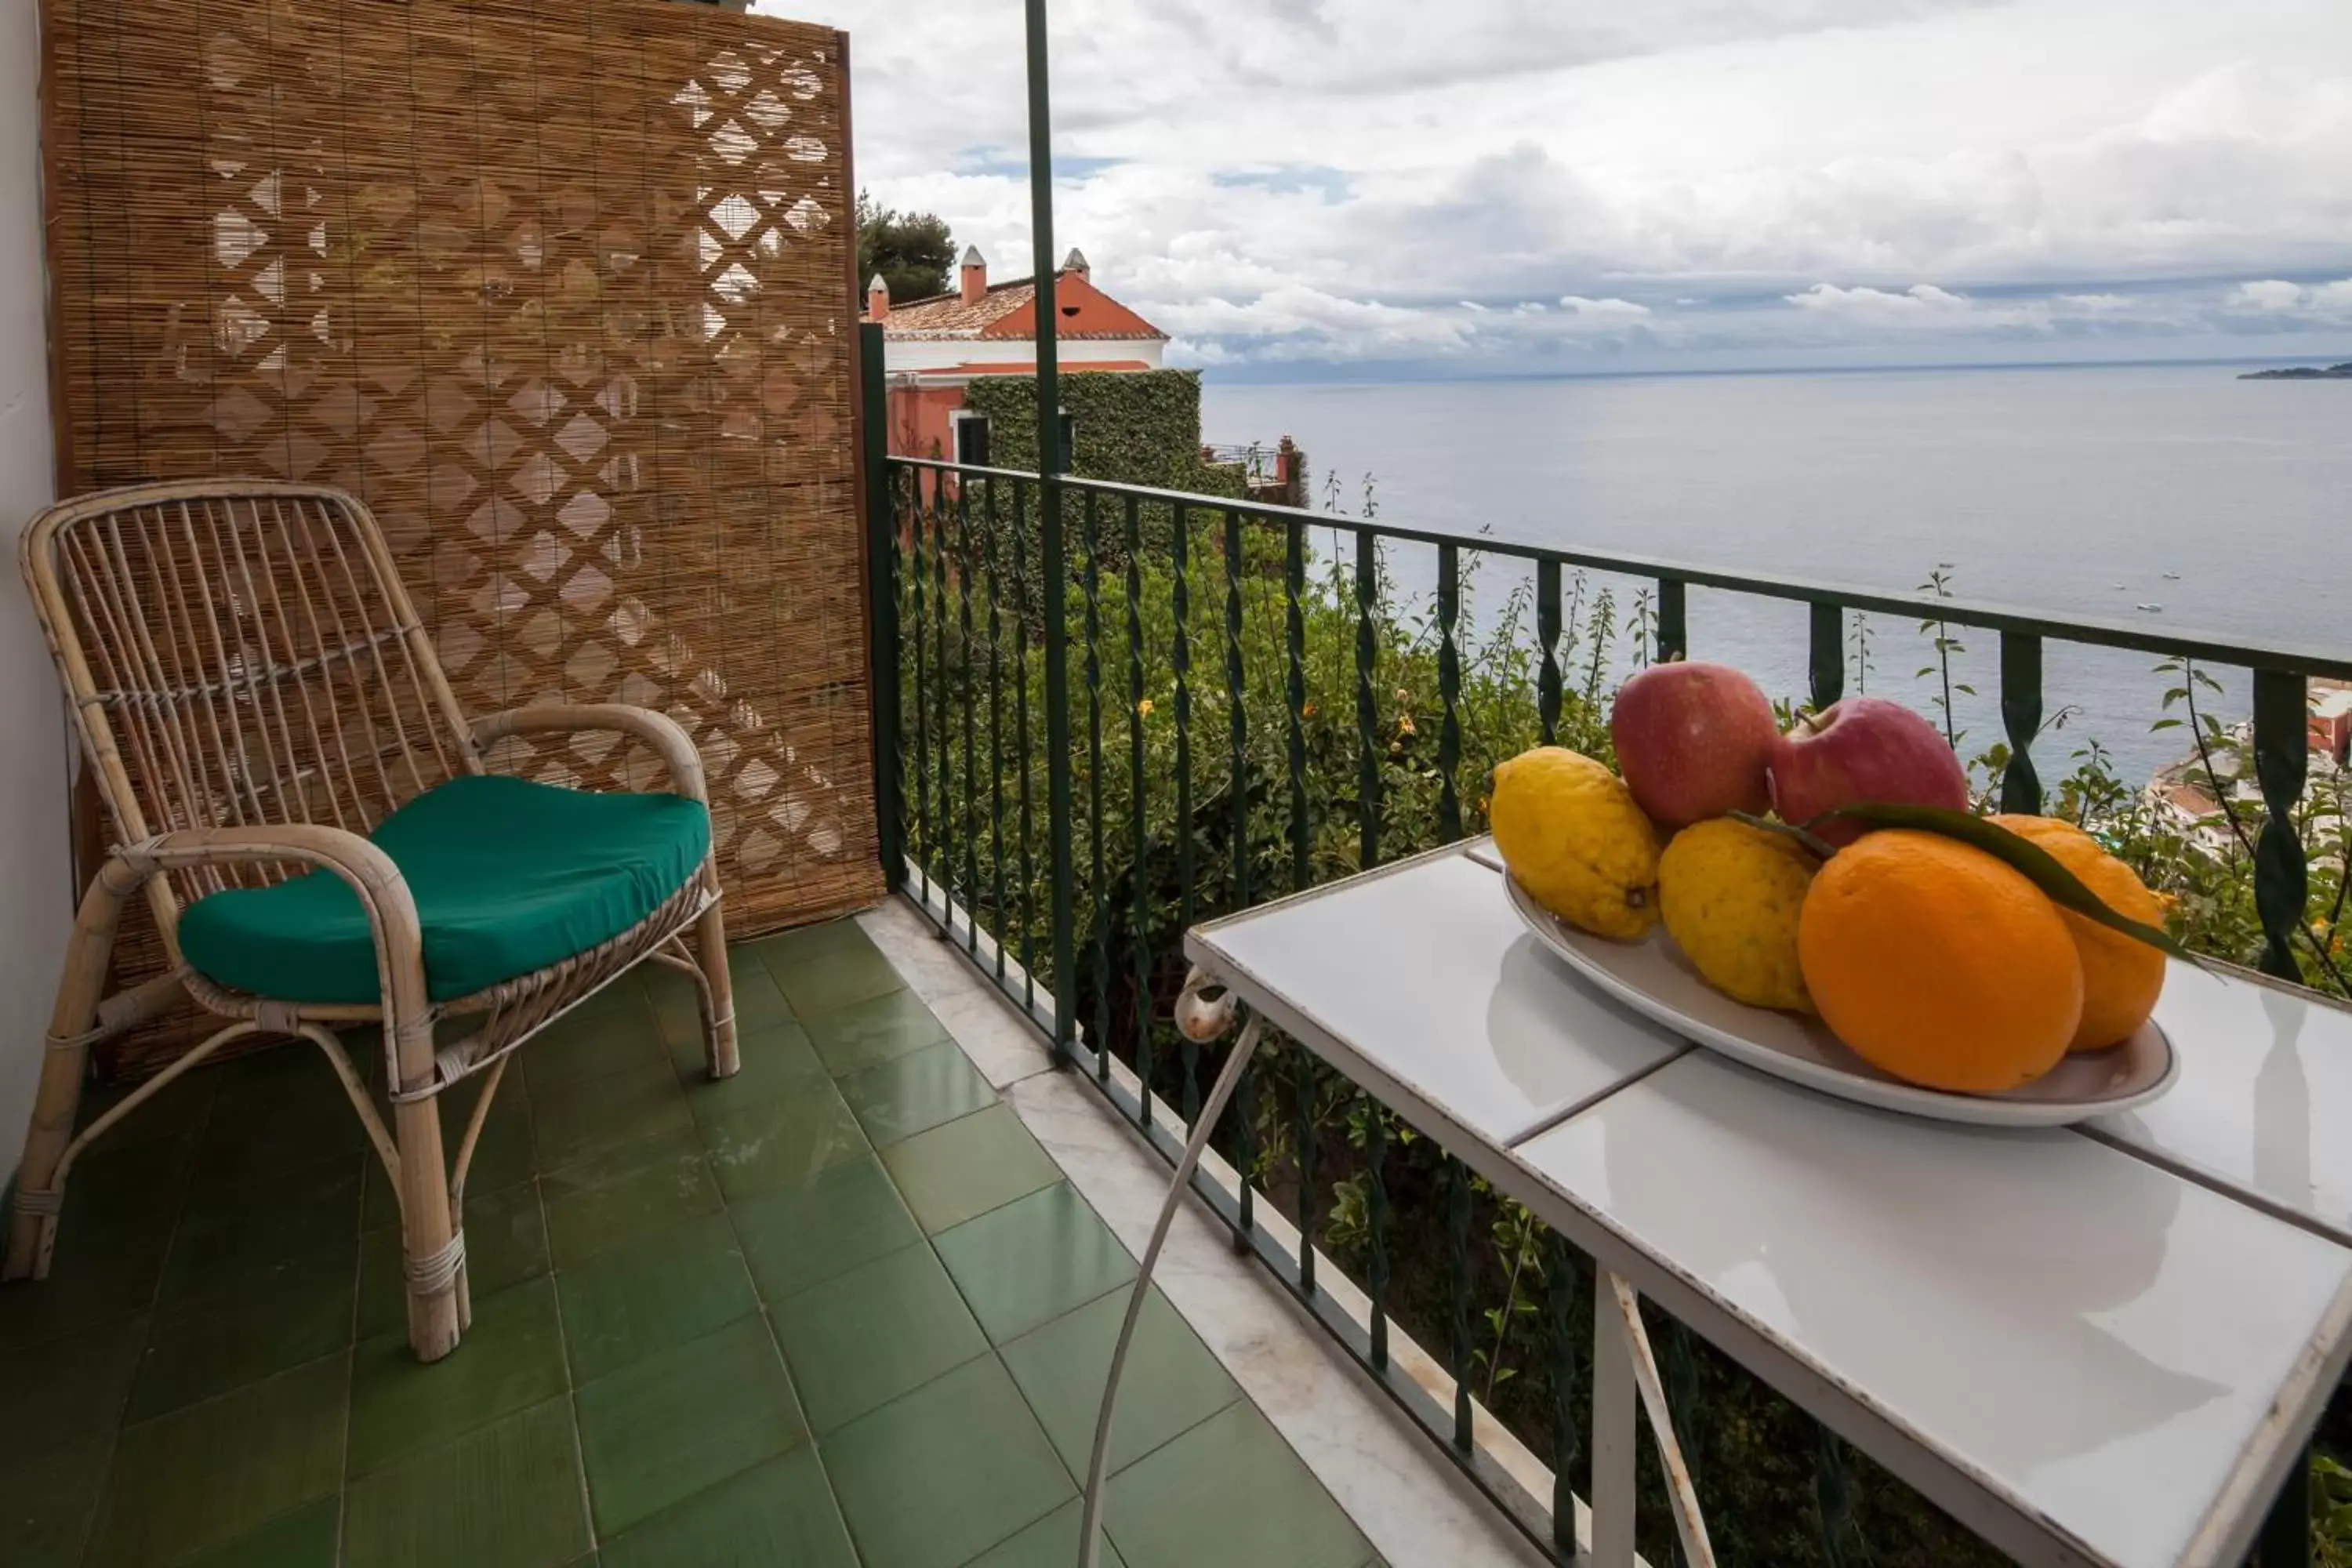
(1409,1501)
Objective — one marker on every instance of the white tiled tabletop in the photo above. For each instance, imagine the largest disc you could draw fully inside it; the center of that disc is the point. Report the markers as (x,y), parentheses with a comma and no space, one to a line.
(2095,1348)
(1455,1005)
(2095,1336)
(2264,1105)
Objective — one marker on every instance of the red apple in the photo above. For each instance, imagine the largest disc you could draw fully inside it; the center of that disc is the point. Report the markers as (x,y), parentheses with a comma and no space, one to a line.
(1864,748)
(1691,741)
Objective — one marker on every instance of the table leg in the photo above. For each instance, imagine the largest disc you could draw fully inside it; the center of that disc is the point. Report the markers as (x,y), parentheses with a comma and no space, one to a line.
(1613,1434)
(1089,1521)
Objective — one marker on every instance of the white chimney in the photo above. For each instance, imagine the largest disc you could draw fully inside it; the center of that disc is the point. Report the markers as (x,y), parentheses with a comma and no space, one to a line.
(877,300)
(975,275)
(1075,264)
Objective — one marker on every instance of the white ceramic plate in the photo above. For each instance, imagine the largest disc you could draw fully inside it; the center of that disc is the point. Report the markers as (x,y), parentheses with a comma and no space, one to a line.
(1652,977)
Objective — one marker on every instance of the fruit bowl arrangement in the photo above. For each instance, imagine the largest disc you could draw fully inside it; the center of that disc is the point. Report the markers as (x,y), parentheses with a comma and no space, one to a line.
(1822,904)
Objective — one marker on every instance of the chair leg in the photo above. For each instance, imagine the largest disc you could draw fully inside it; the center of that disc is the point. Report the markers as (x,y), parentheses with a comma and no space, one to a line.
(433,1245)
(718,1026)
(32,1227)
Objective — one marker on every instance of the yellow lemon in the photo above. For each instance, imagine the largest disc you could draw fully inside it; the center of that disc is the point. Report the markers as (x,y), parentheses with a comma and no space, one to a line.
(1570,833)
(1731,895)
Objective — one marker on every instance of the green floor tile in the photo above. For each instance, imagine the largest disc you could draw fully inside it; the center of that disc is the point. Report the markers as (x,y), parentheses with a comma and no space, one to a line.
(779,1143)
(279,1316)
(848,1214)
(181,1106)
(657,1432)
(277,1112)
(934,1479)
(502,1156)
(1172,1381)
(47,1501)
(833,981)
(660,1290)
(916,1092)
(1051,1542)
(306,1538)
(963,1169)
(99,1272)
(1033,1260)
(506,1244)
(511,1357)
(109,1187)
(572,1121)
(774,1063)
(758,1002)
(209,1473)
(611,1197)
(786,949)
(68,1389)
(231,1231)
(779,1513)
(588,1044)
(1231,1492)
(872,1333)
(677,1004)
(503,1496)
(869,1033)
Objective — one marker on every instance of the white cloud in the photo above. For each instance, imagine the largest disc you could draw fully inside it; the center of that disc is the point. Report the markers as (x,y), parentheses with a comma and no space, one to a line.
(1382,178)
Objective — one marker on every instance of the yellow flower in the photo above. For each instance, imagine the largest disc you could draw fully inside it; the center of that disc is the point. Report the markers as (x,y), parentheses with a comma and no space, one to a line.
(1404,724)
(1306,711)
(1144,706)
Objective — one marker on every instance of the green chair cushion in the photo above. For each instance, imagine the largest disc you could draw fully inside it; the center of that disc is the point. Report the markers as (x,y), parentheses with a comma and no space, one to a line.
(509,877)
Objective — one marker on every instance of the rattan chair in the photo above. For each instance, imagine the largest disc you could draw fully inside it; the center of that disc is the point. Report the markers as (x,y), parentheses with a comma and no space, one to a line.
(256,694)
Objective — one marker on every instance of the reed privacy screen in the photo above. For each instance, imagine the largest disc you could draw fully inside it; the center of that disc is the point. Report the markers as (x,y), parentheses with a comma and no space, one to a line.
(561,292)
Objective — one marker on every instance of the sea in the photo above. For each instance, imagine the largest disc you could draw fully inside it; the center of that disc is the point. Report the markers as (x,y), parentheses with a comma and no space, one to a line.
(2174,494)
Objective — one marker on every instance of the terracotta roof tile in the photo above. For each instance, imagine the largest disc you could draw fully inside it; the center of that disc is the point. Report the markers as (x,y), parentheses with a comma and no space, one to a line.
(945,317)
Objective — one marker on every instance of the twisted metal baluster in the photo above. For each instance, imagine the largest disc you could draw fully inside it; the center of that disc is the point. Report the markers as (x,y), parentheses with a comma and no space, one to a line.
(1180,655)
(1136,846)
(1563,1291)
(1101,909)
(1832,1495)
(1294,636)
(1304,1130)
(2021,716)
(1458,1339)
(967,567)
(1376,1214)
(1449,692)
(1682,1403)
(1674,619)
(947,830)
(924,846)
(1368,712)
(1547,635)
(2282,764)
(1023,822)
(996,734)
(1827,654)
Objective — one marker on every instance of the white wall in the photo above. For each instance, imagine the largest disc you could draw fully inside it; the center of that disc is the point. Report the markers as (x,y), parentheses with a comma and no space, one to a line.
(946,353)
(35,879)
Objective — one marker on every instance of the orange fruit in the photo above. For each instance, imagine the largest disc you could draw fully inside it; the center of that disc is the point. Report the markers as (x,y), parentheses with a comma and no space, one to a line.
(1938,965)
(2121,978)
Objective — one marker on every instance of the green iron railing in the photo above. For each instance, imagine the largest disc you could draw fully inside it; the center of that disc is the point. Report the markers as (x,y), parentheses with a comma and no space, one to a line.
(1171,588)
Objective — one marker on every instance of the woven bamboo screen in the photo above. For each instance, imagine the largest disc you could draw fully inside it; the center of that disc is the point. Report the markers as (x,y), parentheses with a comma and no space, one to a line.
(562,291)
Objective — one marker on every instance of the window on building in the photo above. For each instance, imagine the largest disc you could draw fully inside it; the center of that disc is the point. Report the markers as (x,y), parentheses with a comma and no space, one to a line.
(970,437)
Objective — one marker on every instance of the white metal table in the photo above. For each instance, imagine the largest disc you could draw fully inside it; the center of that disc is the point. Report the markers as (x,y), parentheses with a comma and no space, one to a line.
(2097,1347)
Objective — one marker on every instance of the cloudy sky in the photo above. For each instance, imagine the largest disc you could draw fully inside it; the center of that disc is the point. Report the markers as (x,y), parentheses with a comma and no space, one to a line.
(1310,187)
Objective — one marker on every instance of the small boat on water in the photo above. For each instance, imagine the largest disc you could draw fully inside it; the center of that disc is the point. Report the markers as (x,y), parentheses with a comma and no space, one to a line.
(2151,609)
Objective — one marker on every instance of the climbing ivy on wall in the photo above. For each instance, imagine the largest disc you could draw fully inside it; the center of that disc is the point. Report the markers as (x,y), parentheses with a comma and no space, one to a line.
(1139,428)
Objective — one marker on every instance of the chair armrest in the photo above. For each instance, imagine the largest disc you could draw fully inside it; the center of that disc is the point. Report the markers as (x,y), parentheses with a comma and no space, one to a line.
(667,738)
(370,873)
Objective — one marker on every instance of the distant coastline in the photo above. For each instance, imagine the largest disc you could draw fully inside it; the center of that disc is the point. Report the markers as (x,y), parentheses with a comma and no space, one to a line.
(2303,373)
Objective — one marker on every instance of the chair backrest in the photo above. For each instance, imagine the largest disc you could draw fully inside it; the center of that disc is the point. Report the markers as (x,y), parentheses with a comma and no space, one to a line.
(240,652)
